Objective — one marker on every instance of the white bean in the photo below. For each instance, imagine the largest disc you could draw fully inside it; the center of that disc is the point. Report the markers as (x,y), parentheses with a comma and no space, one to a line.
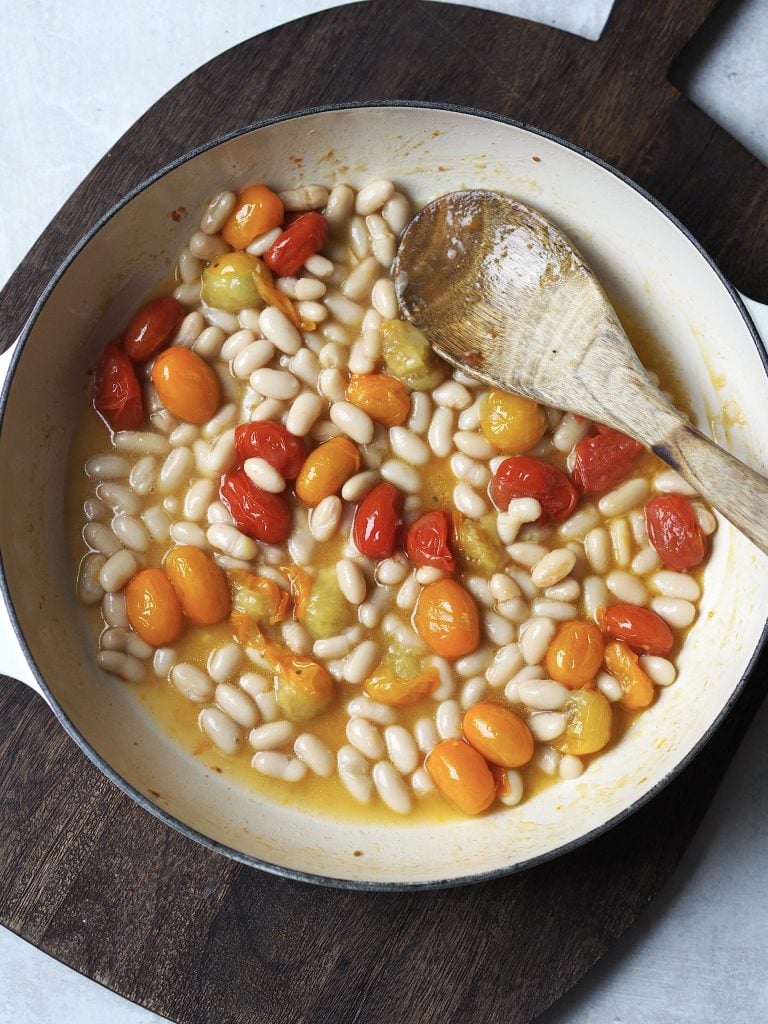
(597,547)
(189,330)
(472,664)
(472,444)
(189,533)
(142,476)
(675,611)
(209,342)
(324,518)
(425,734)
(237,705)
(364,707)
(228,322)
(511,792)
(107,467)
(519,511)
(571,767)
(507,663)
(119,497)
(408,594)
(535,637)
(547,725)
(271,735)
(305,197)
(675,584)
(224,662)
(448,719)
(661,671)
(469,501)
(569,432)
(402,749)
(670,482)
(197,499)
(359,485)
(595,594)
(351,581)
(192,682)
(101,538)
(397,212)
(373,196)
(625,497)
(421,412)
(547,760)
(366,738)
(217,212)
(175,471)
(116,571)
(264,241)
(560,611)
(277,328)
(163,661)
(626,587)
(279,766)
(354,771)
(303,414)
(421,783)
(117,663)
(360,281)
(498,629)
(621,542)
(140,442)
(645,561)
(473,691)
(384,298)
(308,289)
(361,662)
(278,384)
(221,730)
(527,553)
(440,435)
(253,357)
(566,590)
(399,473)
(157,522)
(131,532)
(231,541)
(580,523)
(315,754)
(343,309)
(452,395)
(553,567)
(238,342)
(318,265)
(264,475)
(391,788)
(609,686)
(543,694)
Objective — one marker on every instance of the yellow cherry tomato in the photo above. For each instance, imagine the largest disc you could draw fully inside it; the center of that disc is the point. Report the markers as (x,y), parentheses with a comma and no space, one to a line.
(462,775)
(186,385)
(589,723)
(153,608)
(326,470)
(575,654)
(200,585)
(624,665)
(257,210)
(497,733)
(511,423)
(446,619)
(409,356)
(229,282)
(384,398)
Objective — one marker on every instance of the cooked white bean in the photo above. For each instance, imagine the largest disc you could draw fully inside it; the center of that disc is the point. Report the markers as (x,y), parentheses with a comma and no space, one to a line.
(621,542)
(101,538)
(157,522)
(140,442)
(527,553)
(472,664)
(384,298)
(116,571)
(625,497)
(131,532)
(609,686)
(185,434)
(332,646)
(571,767)
(421,784)
(117,663)
(237,343)
(448,719)
(469,501)
(254,684)
(670,482)
(351,581)
(189,330)
(231,541)
(267,705)
(361,662)
(352,421)
(421,412)
(224,662)
(595,595)
(366,738)
(408,446)
(331,384)
(553,567)
(175,470)
(580,523)
(324,518)
(472,444)
(253,357)
(469,418)
(547,760)
(498,629)
(192,682)
(661,670)
(197,499)
(271,735)
(354,771)
(228,322)
(163,661)
(373,196)
(361,279)
(114,639)
(566,590)
(677,612)
(343,309)
(705,518)
(547,725)
(308,289)
(397,212)
(543,694)
(626,587)
(303,414)
(359,485)
(264,475)
(408,594)
(315,754)
(511,792)
(425,734)
(207,247)
(452,395)
(675,584)
(569,432)
(535,637)
(440,435)
(262,242)
(279,766)
(269,409)
(560,611)
(401,749)
(507,662)
(142,476)
(217,212)
(391,788)
(359,361)
(209,342)
(237,705)
(472,691)
(427,574)
(278,384)
(383,242)
(119,497)
(503,587)
(645,561)
(364,707)
(189,533)
(597,547)
(95,509)
(221,730)
(305,197)
(447,682)
(520,511)
(399,473)
(107,467)
(277,328)
(114,611)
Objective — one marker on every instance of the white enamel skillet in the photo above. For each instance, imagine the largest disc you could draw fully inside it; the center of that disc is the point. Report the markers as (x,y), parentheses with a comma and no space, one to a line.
(653,271)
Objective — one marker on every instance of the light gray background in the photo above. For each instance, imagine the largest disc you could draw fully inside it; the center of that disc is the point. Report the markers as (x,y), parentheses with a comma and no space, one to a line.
(73,77)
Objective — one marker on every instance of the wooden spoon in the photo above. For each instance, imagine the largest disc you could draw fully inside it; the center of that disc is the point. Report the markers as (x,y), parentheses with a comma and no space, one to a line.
(502,294)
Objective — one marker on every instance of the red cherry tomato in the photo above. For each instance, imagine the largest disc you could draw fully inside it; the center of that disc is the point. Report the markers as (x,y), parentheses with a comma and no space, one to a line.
(644,630)
(258,514)
(301,239)
(522,476)
(674,531)
(116,390)
(601,462)
(152,328)
(377,522)
(273,443)
(427,541)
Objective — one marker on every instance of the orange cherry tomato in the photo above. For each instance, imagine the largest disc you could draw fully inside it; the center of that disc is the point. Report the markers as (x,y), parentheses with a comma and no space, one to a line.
(272,442)
(326,470)
(462,775)
(446,619)
(257,513)
(186,385)
(427,541)
(301,587)
(642,629)
(377,521)
(624,665)
(153,608)
(500,735)
(385,686)
(603,461)
(511,423)
(301,239)
(116,390)
(674,531)
(257,210)
(270,296)
(575,654)
(200,585)
(522,476)
(152,328)
(384,398)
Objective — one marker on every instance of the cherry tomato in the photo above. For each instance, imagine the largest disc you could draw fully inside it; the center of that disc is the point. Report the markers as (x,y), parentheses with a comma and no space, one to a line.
(624,665)
(674,531)
(385,686)
(116,390)
(200,585)
(258,514)
(575,654)
(377,522)
(603,461)
(273,443)
(257,209)
(152,328)
(511,423)
(384,398)
(446,619)
(153,608)
(326,470)
(589,723)
(500,735)
(427,541)
(186,385)
(641,628)
(462,775)
(301,239)
(522,476)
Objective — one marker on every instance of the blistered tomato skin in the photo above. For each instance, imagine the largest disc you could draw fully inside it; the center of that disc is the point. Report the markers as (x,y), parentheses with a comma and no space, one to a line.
(154,610)
(522,476)
(301,239)
(462,775)
(384,398)
(200,585)
(152,328)
(377,523)
(257,210)
(674,531)
(501,736)
(273,443)
(642,629)
(326,470)
(589,723)
(511,423)
(575,654)
(116,390)
(601,462)
(427,542)
(447,620)
(186,385)
(229,282)
(257,514)
(624,665)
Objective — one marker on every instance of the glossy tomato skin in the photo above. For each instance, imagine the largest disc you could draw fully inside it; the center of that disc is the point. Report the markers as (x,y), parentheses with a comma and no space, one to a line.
(301,239)
(377,523)
(601,462)
(152,328)
(116,390)
(428,541)
(644,630)
(522,476)
(273,443)
(258,514)
(674,531)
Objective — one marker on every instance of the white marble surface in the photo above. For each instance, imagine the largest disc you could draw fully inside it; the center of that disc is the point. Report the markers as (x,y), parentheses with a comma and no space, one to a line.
(73,77)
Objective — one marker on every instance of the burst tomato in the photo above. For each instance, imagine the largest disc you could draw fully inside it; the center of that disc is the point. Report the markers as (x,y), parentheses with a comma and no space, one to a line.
(446,618)
(427,541)
(301,239)
(642,629)
(257,209)
(258,514)
(603,461)
(674,531)
(377,522)
(116,390)
(273,443)
(152,328)
(522,476)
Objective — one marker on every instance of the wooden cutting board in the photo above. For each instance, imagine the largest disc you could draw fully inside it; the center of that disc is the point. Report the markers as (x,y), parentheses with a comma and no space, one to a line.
(89,877)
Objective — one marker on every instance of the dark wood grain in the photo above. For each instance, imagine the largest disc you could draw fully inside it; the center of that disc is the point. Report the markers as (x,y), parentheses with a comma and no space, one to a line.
(92,879)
